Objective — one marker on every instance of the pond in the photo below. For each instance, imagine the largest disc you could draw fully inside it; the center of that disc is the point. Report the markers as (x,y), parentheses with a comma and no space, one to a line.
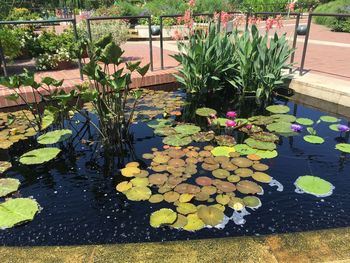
(80,204)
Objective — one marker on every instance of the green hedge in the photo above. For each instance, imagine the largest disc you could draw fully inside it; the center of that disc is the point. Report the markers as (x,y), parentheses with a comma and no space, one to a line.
(336,24)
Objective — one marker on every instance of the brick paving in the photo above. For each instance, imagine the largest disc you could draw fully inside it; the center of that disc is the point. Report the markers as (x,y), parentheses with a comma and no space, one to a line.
(328,54)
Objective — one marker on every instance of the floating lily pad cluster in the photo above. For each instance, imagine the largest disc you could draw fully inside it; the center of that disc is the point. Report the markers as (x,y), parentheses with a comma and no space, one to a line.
(15,127)
(231,181)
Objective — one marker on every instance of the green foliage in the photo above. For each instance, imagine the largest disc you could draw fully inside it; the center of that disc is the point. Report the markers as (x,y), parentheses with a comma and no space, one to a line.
(209,6)
(206,61)
(22,14)
(337,24)
(10,41)
(110,90)
(161,7)
(261,61)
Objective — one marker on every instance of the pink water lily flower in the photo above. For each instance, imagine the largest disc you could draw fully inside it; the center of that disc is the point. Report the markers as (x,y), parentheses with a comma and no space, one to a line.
(230,123)
(231,114)
(249,126)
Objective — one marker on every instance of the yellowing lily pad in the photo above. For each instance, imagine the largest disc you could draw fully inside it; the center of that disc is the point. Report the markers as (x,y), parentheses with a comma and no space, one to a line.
(210,215)
(220,173)
(180,222)
(267,154)
(222,199)
(39,156)
(139,181)
(248,187)
(4,166)
(186,208)
(184,198)
(222,151)
(124,186)
(8,186)
(194,223)
(130,171)
(262,177)
(156,198)
(138,193)
(164,216)
(252,202)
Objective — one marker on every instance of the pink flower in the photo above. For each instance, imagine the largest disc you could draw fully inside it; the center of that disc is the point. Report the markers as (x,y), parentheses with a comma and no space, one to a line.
(269,23)
(291,6)
(278,21)
(249,126)
(177,35)
(252,20)
(231,114)
(192,3)
(239,20)
(230,123)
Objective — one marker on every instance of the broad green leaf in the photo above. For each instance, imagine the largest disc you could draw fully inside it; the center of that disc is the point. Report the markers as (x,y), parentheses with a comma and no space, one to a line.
(8,186)
(314,185)
(54,136)
(313,139)
(39,156)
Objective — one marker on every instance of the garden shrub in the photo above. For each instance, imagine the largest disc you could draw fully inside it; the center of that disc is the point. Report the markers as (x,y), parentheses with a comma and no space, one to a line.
(10,42)
(338,6)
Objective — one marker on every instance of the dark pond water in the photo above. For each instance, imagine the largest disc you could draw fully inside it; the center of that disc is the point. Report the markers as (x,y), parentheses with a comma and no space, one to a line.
(81,206)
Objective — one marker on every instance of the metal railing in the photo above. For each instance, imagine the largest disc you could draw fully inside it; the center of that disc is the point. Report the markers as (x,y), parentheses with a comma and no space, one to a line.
(101,18)
(308,29)
(34,22)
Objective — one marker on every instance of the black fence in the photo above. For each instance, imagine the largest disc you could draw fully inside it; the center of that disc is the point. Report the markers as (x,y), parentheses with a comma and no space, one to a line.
(161,38)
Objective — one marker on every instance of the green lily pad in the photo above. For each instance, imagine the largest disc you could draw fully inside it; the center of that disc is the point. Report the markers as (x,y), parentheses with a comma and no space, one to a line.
(54,136)
(261,120)
(241,121)
(157,123)
(222,151)
(283,118)
(203,136)
(165,131)
(39,156)
(278,109)
(177,140)
(313,139)
(8,186)
(344,147)
(305,121)
(4,166)
(252,202)
(270,146)
(138,193)
(210,215)
(48,119)
(314,185)
(205,112)
(244,149)
(267,154)
(220,121)
(264,136)
(329,119)
(280,127)
(334,127)
(164,216)
(187,129)
(17,211)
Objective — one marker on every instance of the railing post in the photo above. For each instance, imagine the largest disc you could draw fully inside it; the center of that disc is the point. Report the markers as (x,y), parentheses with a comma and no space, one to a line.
(161,43)
(305,44)
(77,39)
(3,60)
(294,41)
(89,29)
(247,21)
(150,42)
